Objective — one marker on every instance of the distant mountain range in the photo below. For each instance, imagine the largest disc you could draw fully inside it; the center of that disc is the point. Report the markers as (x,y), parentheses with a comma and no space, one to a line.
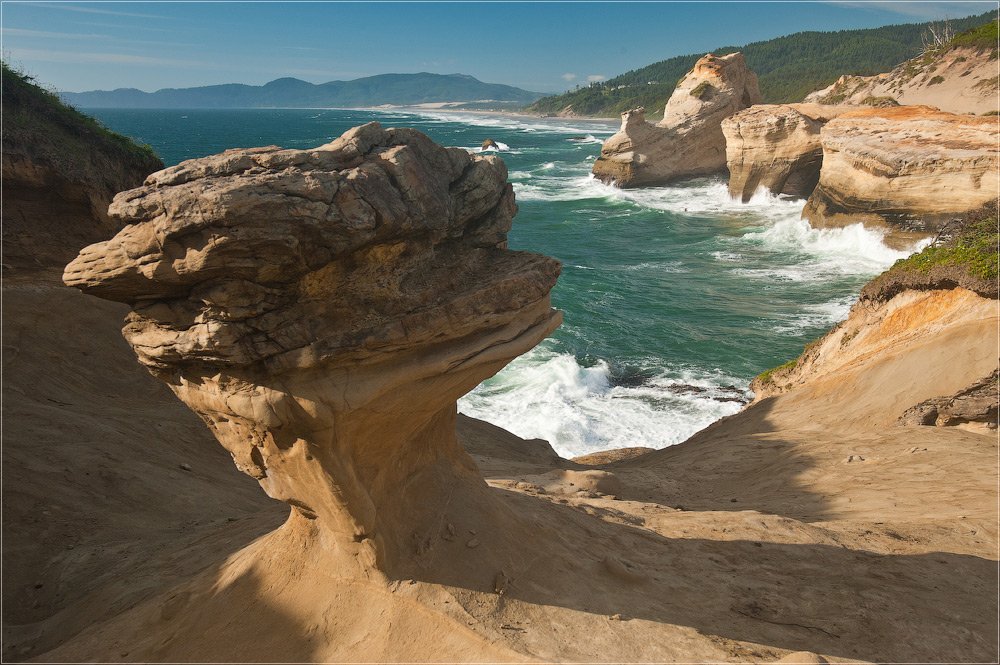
(788,68)
(399,89)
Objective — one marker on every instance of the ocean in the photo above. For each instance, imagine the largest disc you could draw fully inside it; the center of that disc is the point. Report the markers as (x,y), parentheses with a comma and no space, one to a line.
(674,298)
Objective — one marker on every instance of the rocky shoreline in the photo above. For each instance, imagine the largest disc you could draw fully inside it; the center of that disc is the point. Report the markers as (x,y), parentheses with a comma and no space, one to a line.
(907,169)
(318,312)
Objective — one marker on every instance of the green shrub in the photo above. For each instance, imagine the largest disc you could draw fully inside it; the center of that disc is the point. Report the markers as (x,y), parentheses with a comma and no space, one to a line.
(702,90)
(936,80)
(974,249)
(31,112)
(767,376)
(981,38)
(879,102)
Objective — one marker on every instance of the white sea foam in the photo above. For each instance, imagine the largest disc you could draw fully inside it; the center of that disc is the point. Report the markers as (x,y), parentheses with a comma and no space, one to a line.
(523,124)
(549,395)
(584,140)
(822,254)
(821,315)
(656,266)
(501,147)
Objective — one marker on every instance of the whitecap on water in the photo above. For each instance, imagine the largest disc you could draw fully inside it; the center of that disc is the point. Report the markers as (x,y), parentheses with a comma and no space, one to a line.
(524,124)
(549,395)
(821,315)
(822,254)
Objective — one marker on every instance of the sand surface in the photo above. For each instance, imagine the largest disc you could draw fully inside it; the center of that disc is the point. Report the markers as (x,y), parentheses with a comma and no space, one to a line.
(808,522)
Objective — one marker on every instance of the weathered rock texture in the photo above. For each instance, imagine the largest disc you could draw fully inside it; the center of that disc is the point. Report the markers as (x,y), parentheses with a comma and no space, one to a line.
(912,168)
(977,404)
(776,147)
(60,171)
(689,140)
(957,80)
(322,310)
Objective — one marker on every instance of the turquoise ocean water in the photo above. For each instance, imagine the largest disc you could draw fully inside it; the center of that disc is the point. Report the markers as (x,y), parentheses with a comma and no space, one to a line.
(674,297)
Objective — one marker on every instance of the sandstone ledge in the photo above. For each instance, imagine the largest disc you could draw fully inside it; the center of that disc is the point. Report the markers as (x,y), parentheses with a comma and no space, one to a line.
(912,168)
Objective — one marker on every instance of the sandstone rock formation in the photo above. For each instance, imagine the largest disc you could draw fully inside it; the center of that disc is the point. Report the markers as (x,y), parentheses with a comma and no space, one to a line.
(322,310)
(956,80)
(777,147)
(489,144)
(976,404)
(689,140)
(913,168)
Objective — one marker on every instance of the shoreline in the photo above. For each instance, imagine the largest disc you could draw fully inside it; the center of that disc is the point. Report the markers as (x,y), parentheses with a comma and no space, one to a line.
(613,122)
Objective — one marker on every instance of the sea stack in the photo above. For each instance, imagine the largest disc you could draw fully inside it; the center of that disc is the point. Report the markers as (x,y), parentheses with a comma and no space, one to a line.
(322,310)
(689,140)
(776,147)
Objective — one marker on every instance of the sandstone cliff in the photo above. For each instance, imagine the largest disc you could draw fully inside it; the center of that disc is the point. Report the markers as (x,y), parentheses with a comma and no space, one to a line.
(913,168)
(948,286)
(776,147)
(322,311)
(60,170)
(689,140)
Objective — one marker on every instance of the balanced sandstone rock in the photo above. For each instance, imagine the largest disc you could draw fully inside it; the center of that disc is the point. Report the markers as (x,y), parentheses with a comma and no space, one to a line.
(322,310)
(776,147)
(689,140)
(910,168)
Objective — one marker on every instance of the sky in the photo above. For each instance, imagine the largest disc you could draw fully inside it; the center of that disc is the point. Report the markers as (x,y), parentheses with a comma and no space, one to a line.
(539,46)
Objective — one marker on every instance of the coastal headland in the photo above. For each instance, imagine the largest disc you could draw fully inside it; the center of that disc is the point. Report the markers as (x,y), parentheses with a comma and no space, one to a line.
(266,463)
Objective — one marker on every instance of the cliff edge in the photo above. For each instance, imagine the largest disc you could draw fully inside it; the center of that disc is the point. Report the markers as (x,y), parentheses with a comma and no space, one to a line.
(60,171)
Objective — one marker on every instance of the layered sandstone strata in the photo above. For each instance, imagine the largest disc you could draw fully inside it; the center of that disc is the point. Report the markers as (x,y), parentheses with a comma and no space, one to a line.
(322,310)
(689,140)
(776,147)
(913,168)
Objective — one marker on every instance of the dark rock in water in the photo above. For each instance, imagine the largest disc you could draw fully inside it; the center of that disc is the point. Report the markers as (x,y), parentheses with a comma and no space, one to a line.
(729,393)
(629,377)
(577,138)
(490,144)
(685,389)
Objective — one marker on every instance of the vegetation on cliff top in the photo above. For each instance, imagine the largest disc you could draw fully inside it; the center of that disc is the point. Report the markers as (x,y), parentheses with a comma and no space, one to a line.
(788,68)
(38,124)
(968,258)
(981,38)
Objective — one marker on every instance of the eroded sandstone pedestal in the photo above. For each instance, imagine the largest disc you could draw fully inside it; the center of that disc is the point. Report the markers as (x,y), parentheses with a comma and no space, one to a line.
(689,140)
(322,310)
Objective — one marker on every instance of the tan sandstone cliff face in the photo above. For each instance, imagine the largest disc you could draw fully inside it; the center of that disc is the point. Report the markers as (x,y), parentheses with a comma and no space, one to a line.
(960,80)
(776,147)
(322,310)
(913,168)
(689,140)
(885,330)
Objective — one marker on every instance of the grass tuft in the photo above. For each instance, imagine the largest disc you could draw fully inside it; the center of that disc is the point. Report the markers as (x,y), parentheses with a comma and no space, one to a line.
(702,90)
(974,250)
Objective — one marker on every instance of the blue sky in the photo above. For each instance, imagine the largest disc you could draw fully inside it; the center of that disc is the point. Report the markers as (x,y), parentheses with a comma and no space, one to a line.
(543,46)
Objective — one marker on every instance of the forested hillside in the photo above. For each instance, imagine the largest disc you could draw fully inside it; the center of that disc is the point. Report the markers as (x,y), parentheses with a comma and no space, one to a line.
(788,67)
